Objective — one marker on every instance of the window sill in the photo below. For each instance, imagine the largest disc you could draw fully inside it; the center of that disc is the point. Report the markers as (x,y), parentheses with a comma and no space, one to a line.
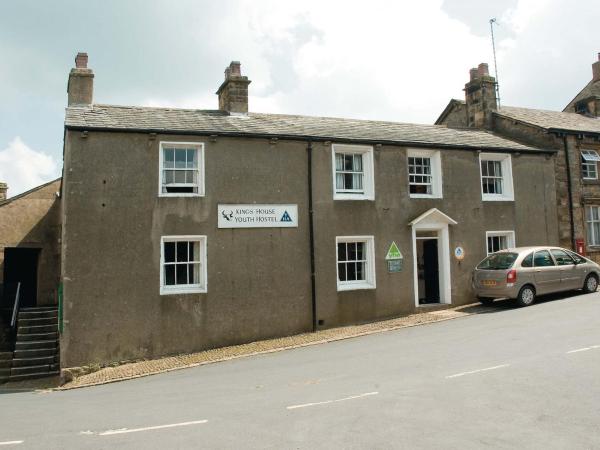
(499,198)
(591,181)
(183,290)
(425,196)
(353,197)
(354,286)
(180,195)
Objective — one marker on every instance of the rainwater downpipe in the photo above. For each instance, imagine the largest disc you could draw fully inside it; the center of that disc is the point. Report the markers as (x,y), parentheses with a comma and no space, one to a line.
(311,232)
(570,191)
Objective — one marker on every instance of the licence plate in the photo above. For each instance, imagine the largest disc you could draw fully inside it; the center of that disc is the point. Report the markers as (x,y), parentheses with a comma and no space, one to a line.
(489,282)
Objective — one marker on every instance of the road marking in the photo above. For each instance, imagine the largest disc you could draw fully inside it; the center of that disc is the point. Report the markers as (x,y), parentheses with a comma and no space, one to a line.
(584,349)
(332,401)
(11,442)
(477,371)
(136,430)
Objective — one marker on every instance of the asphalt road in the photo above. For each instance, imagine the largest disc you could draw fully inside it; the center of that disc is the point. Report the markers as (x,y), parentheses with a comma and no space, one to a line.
(511,378)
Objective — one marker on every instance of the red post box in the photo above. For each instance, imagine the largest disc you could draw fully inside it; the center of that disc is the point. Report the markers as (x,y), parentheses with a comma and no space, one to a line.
(580,246)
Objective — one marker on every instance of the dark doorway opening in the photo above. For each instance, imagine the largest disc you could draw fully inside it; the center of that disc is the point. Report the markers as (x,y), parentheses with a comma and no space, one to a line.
(20,266)
(428,271)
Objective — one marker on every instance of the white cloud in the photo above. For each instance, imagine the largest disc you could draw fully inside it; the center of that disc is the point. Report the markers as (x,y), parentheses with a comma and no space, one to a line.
(23,168)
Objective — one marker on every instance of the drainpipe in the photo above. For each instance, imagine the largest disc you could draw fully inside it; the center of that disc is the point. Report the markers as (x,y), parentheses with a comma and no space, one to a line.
(309,151)
(570,191)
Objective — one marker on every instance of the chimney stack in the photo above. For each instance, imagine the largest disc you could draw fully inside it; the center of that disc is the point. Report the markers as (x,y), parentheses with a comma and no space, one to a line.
(480,97)
(81,82)
(233,93)
(3,191)
(596,70)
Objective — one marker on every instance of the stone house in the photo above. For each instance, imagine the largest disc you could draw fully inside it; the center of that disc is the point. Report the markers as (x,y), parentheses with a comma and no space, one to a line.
(184,230)
(574,133)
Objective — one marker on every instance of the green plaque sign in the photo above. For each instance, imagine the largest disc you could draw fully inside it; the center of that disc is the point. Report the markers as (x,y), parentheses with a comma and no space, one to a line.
(393,252)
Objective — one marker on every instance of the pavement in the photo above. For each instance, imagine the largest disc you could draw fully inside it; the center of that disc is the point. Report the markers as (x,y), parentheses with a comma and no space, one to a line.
(522,378)
(151,367)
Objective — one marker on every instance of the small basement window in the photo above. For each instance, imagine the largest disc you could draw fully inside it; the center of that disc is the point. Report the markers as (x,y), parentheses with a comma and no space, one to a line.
(183,264)
(181,169)
(499,240)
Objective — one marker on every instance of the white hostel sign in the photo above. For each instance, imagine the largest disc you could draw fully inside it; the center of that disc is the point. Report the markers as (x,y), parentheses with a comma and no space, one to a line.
(258,216)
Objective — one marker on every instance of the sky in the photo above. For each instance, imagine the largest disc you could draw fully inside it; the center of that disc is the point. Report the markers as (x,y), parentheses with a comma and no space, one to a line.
(390,60)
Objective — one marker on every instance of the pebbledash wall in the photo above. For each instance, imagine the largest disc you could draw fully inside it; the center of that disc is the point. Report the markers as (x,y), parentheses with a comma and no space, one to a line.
(258,280)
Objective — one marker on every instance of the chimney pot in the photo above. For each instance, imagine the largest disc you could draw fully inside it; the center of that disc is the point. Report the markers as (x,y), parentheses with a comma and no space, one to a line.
(473,74)
(483,70)
(81,60)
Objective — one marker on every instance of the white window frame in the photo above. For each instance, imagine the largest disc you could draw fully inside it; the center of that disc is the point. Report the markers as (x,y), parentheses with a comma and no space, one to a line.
(589,230)
(201,287)
(369,282)
(589,160)
(199,146)
(509,234)
(435,160)
(507,178)
(368,172)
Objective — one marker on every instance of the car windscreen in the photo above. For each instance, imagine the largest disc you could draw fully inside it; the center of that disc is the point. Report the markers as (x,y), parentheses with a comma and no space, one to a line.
(498,261)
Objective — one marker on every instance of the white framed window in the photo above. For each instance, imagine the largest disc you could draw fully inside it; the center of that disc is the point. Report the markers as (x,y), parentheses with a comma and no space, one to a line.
(353,177)
(183,265)
(499,240)
(181,171)
(589,164)
(355,262)
(592,225)
(496,177)
(424,174)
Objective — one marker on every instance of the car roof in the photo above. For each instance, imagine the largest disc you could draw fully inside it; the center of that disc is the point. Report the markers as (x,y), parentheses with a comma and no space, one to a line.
(533,248)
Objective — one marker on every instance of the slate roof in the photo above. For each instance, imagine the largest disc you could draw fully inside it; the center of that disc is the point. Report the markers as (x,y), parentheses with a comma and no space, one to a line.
(552,120)
(191,121)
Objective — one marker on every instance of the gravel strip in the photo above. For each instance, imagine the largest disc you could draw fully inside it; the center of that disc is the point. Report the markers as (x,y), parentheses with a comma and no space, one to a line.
(161,365)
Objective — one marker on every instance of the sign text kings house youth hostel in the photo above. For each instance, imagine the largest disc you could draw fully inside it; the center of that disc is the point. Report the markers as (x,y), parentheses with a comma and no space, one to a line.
(257,216)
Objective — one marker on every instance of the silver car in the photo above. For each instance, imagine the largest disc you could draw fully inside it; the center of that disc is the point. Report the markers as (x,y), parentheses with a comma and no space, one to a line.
(525,272)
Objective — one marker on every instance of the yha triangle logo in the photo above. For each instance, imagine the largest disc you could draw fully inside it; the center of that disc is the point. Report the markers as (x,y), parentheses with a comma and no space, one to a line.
(286,217)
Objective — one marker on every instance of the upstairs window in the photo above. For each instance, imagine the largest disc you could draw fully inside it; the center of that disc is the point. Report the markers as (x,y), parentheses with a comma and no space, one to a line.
(424,174)
(181,169)
(496,177)
(353,172)
(589,164)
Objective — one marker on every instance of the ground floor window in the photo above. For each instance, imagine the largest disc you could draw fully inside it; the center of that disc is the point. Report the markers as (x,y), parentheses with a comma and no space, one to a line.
(183,264)
(355,262)
(592,222)
(499,240)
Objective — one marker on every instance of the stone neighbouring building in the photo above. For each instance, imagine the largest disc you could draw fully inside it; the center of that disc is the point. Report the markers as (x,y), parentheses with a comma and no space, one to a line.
(30,245)
(164,243)
(574,133)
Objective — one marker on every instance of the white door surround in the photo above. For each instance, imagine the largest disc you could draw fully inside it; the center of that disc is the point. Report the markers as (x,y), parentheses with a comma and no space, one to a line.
(437,221)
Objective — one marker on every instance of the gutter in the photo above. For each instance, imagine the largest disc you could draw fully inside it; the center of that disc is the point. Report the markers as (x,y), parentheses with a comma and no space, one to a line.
(570,191)
(311,229)
(299,137)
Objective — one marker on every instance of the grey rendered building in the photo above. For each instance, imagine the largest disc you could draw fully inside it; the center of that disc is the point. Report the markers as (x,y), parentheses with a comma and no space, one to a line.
(186,230)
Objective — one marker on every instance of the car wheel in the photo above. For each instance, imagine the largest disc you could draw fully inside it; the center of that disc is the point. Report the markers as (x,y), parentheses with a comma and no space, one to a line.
(526,296)
(591,284)
(485,300)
